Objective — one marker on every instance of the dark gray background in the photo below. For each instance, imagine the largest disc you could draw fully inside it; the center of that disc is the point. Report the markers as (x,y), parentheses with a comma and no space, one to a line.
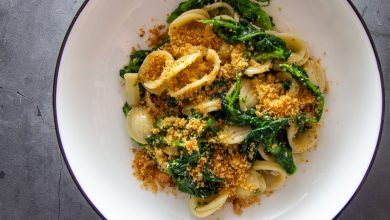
(34,182)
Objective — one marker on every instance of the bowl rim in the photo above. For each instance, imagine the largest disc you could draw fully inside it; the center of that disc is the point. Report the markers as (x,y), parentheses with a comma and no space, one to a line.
(68,166)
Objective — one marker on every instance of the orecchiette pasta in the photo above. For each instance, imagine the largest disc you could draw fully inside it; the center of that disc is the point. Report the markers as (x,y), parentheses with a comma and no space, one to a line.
(205,207)
(256,184)
(131,89)
(186,18)
(300,51)
(302,141)
(139,124)
(204,107)
(248,95)
(264,154)
(257,68)
(273,174)
(221,105)
(233,134)
(316,74)
(217,5)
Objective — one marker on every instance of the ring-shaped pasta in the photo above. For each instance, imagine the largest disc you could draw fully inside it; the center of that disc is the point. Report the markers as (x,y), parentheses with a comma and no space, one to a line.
(316,74)
(139,124)
(170,70)
(204,107)
(233,134)
(274,175)
(217,5)
(155,64)
(254,180)
(186,18)
(257,68)
(302,141)
(132,89)
(205,80)
(248,95)
(205,207)
(300,51)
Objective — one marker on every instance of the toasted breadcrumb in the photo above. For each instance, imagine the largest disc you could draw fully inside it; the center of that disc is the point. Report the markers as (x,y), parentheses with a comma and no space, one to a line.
(146,170)
(156,35)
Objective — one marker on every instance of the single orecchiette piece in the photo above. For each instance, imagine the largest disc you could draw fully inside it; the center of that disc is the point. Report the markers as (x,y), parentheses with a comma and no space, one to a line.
(256,183)
(316,73)
(264,154)
(217,5)
(302,141)
(274,175)
(132,89)
(186,18)
(139,124)
(257,68)
(294,84)
(233,134)
(300,51)
(204,107)
(248,95)
(205,207)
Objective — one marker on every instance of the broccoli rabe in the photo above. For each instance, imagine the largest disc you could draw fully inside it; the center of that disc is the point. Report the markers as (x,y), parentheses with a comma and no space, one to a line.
(126,108)
(263,46)
(186,6)
(265,130)
(178,170)
(136,60)
(299,74)
(252,11)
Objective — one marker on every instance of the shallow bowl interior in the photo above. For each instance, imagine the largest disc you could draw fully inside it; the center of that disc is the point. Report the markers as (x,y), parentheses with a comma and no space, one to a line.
(91,125)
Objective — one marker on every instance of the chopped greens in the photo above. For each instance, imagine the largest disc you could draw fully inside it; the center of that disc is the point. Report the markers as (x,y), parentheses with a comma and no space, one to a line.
(136,60)
(265,130)
(186,6)
(264,46)
(178,170)
(126,108)
(299,74)
(252,12)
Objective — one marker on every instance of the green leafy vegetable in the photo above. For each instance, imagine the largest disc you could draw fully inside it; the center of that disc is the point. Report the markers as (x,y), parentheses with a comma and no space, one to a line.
(283,156)
(264,46)
(271,47)
(156,140)
(265,130)
(232,31)
(136,60)
(126,108)
(252,11)
(178,170)
(299,74)
(186,6)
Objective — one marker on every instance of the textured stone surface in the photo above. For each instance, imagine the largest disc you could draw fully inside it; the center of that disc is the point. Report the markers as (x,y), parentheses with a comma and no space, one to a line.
(34,182)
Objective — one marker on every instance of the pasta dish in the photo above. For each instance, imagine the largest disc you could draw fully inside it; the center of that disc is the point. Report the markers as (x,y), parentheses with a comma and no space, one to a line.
(221,104)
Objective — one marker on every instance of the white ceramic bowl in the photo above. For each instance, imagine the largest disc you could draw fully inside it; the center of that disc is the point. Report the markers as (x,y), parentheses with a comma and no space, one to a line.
(88,98)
